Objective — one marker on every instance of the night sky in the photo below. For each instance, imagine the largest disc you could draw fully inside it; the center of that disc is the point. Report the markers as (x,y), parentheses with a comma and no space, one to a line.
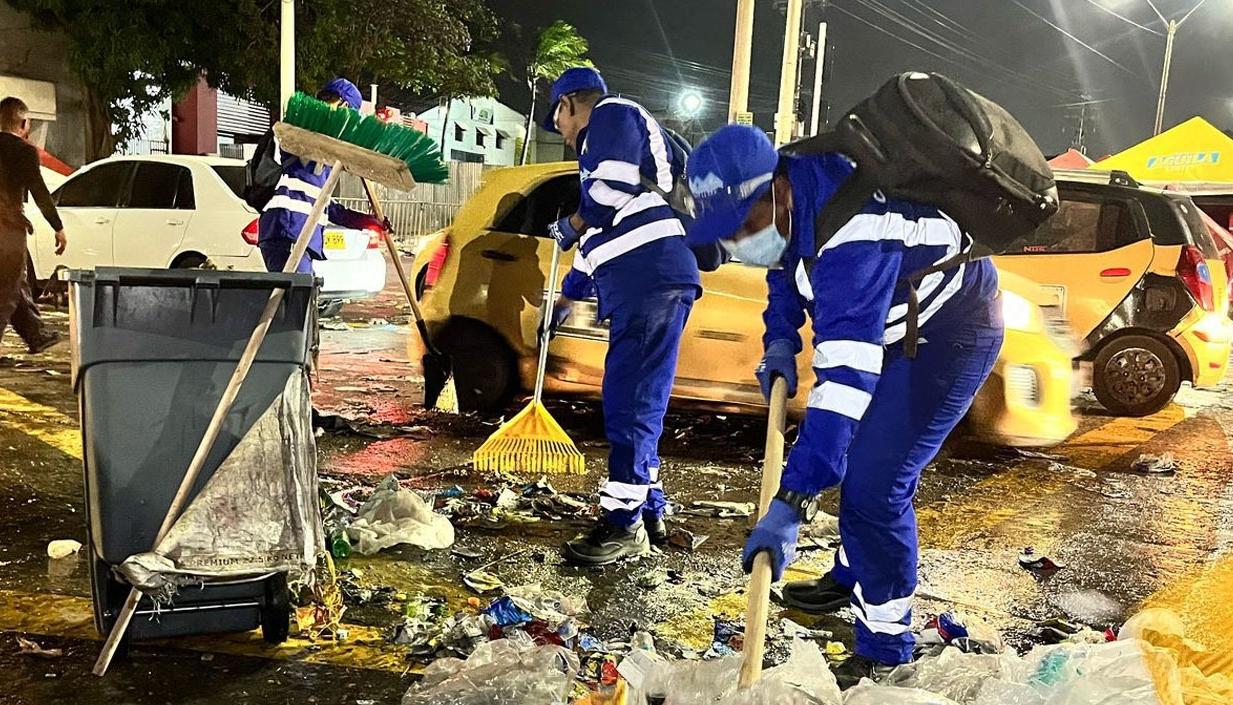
(650,49)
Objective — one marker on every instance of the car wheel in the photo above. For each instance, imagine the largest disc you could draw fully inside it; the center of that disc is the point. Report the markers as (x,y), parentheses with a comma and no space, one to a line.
(1135,375)
(193,261)
(484,367)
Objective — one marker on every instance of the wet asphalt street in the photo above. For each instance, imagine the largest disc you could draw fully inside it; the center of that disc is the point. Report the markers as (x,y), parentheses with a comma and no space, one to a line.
(1127,539)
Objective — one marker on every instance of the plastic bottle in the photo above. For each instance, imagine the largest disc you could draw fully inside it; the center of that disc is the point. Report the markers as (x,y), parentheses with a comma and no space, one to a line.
(340,544)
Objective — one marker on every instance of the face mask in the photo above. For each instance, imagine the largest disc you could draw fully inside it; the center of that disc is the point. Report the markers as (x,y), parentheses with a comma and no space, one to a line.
(762,249)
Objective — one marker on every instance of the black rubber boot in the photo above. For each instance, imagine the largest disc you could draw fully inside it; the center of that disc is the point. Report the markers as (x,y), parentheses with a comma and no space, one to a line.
(607,543)
(46,342)
(820,596)
(656,530)
(850,671)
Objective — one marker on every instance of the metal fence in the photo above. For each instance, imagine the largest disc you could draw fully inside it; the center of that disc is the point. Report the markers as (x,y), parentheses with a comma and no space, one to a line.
(411,219)
(430,207)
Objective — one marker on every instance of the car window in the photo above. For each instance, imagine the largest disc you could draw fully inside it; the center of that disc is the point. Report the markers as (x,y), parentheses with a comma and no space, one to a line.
(234,177)
(100,187)
(1196,229)
(555,198)
(161,186)
(1084,223)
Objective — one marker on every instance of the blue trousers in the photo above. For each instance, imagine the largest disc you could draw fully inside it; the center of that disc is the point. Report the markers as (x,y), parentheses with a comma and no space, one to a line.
(276,255)
(643,342)
(916,404)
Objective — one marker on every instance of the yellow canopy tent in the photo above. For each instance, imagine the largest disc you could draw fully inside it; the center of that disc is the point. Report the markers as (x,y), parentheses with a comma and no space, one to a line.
(1194,151)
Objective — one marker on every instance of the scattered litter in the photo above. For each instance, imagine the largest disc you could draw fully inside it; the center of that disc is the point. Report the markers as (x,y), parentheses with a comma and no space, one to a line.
(686,540)
(1155,463)
(62,548)
(395,515)
(334,324)
(506,671)
(464,552)
(802,679)
(482,581)
(651,579)
(721,510)
(27,647)
(967,632)
(1030,560)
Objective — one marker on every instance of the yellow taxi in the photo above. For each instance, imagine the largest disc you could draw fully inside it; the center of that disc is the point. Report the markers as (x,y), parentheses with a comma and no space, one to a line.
(481,283)
(1142,286)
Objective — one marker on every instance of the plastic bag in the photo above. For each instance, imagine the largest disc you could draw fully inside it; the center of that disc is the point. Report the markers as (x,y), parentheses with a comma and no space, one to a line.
(394,515)
(804,679)
(869,693)
(953,673)
(501,671)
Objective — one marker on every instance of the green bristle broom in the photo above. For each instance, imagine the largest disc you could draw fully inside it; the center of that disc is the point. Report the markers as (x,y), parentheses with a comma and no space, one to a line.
(416,149)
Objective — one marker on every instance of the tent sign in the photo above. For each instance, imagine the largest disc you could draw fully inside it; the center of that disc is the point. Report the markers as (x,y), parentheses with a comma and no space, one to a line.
(1182,160)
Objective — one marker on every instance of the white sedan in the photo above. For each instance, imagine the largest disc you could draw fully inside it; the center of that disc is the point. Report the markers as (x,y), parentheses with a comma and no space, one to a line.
(181,212)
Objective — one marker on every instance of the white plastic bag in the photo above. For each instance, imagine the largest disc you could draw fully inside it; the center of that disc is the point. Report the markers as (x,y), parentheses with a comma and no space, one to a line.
(394,515)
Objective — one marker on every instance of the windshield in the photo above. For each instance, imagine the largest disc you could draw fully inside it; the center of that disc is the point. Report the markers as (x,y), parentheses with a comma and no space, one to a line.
(1198,233)
(234,177)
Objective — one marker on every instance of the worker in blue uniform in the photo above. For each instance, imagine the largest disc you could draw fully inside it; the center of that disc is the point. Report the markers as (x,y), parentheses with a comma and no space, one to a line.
(301,181)
(876,416)
(632,256)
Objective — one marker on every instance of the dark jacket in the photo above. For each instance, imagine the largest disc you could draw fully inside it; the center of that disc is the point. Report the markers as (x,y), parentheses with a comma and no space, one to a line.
(19,175)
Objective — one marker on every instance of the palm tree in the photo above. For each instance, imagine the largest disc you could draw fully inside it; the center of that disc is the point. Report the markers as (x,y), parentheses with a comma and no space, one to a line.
(560,47)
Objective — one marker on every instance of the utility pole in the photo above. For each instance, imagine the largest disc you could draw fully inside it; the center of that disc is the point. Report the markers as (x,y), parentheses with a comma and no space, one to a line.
(1164,74)
(785,117)
(819,67)
(286,65)
(742,47)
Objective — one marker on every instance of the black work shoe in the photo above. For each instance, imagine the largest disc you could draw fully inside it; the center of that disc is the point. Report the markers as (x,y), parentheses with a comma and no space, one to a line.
(656,531)
(45,343)
(850,671)
(820,596)
(607,543)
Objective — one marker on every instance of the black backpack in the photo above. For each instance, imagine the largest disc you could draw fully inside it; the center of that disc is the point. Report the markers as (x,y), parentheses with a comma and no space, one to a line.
(928,139)
(262,172)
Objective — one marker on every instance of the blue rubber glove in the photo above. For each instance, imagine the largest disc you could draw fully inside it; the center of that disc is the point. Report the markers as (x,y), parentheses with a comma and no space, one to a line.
(560,312)
(564,232)
(775,533)
(779,361)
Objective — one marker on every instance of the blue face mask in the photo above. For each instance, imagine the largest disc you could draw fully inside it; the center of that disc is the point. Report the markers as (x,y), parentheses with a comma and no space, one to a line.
(762,249)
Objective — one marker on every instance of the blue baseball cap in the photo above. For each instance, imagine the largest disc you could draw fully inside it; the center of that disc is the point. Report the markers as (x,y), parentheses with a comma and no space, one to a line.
(728,172)
(346,90)
(579,78)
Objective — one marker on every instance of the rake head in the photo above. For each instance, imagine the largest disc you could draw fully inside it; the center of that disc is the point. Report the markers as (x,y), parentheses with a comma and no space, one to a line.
(531,443)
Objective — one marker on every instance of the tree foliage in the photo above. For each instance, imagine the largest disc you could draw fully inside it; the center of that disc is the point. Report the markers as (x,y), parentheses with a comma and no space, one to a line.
(133,54)
(558,48)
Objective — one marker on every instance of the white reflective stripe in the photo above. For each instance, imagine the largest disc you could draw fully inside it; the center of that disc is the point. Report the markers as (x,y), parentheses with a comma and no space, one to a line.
(653,472)
(746,188)
(803,284)
(843,557)
(873,227)
(644,201)
(582,265)
(294,184)
(865,357)
(608,504)
(284,202)
(893,628)
(605,195)
(655,138)
(623,490)
(840,398)
(896,332)
(616,170)
(892,611)
(634,239)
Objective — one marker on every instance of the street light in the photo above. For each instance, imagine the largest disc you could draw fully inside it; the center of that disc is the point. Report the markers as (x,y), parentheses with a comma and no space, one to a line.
(1171,27)
(690,103)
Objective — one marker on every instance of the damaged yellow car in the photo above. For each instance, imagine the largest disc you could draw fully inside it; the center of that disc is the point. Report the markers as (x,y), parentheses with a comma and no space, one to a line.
(481,282)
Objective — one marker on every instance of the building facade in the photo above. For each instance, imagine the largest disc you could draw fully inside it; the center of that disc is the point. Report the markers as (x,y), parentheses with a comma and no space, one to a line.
(481,130)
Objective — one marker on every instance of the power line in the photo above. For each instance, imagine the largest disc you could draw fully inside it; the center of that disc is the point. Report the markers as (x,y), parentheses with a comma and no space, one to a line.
(1123,18)
(1073,38)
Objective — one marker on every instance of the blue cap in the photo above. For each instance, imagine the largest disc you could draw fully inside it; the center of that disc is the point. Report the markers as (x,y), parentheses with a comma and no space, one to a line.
(728,172)
(580,78)
(347,91)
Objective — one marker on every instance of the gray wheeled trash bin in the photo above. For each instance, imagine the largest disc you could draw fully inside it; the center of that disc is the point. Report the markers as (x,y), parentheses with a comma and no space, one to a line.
(152,352)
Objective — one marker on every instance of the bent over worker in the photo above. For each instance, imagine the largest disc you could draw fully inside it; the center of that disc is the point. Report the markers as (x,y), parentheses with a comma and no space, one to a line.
(297,188)
(875,415)
(632,256)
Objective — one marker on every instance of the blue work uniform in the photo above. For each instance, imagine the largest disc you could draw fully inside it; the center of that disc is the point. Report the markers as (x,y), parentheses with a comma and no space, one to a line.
(284,215)
(633,257)
(875,417)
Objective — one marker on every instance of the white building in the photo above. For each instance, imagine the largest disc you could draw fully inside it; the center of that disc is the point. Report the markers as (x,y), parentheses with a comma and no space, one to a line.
(481,130)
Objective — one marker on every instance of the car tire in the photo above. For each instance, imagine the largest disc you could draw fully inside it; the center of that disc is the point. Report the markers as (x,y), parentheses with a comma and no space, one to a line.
(483,365)
(1135,375)
(193,261)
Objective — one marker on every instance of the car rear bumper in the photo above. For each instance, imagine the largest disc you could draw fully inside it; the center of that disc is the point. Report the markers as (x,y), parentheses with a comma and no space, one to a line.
(1206,343)
(1026,400)
(352,279)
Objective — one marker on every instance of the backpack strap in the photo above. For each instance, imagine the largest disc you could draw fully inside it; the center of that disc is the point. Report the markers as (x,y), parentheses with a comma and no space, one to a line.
(912,320)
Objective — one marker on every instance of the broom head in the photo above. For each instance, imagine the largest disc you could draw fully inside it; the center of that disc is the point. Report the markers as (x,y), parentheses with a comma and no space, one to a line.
(531,443)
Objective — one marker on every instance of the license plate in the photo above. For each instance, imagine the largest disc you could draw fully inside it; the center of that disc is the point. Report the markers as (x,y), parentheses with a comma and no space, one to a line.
(335,240)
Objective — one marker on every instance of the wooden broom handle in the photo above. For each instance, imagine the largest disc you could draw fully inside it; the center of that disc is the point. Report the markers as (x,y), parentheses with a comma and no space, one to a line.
(760,577)
(220,412)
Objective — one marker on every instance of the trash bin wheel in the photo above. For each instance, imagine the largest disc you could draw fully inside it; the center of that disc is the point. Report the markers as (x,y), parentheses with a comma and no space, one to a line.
(276,611)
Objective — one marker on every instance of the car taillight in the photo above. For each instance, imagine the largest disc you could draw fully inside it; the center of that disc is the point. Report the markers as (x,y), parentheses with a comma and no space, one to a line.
(1194,274)
(436,264)
(376,238)
(251,231)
